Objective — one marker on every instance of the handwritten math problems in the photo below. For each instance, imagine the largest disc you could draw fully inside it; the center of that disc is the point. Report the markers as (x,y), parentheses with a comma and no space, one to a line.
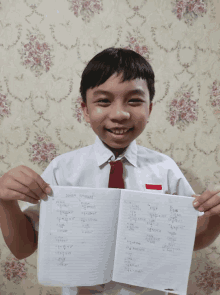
(148,225)
(110,234)
(75,210)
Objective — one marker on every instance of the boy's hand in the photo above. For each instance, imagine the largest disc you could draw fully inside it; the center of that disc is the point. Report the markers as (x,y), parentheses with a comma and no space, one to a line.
(209,201)
(22,183)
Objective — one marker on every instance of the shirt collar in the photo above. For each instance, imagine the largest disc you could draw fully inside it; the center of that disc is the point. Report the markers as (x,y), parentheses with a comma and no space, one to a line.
(103,154)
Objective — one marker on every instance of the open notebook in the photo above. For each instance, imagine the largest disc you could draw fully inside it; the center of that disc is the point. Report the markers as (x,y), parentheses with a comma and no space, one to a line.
(91,236)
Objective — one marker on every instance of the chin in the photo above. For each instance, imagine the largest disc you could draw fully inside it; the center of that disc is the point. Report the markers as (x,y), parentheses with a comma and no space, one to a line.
(117,146)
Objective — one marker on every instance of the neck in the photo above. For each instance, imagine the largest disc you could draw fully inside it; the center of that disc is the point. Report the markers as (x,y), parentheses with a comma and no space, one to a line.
(116,152)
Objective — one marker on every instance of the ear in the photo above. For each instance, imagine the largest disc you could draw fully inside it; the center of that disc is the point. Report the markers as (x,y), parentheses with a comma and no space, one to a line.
(85,112)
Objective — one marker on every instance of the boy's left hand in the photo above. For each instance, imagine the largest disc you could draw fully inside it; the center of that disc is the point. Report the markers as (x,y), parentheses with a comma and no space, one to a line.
(209,201)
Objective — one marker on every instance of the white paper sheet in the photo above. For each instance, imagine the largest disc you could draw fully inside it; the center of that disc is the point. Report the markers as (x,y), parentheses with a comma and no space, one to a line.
(79,226)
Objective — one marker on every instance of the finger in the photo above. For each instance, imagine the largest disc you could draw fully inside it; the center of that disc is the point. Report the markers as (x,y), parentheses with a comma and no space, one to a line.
(211,203)
(22,196)
(23,188)
(41,184)
(213,211)
(203,198)
(11,183)
(28,185)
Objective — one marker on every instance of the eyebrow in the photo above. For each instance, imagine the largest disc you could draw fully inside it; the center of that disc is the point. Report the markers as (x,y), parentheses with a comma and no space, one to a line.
(134,91)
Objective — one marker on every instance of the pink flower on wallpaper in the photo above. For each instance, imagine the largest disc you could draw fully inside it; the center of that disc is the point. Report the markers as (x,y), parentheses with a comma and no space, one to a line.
(208,281)
(42,151)
(134,44)
(189,9)
(36,54)
(215,94)
(136,8)
(86,8)
(183,110)
(4,107)
(14,270)
(78,112)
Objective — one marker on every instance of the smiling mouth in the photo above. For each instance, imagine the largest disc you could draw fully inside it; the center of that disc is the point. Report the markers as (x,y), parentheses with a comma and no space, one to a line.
(119,133)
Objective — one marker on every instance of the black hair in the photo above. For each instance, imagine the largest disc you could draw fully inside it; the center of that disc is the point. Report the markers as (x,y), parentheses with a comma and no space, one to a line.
(111,60)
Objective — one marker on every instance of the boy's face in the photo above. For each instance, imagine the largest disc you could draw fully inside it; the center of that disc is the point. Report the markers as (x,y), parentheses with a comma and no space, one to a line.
(118,110)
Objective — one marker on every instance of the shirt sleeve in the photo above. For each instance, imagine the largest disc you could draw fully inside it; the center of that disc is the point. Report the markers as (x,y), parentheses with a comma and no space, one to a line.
(33,210)
(178,184)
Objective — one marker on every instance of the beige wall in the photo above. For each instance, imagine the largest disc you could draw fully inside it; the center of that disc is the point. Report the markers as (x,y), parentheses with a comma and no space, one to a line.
(44,47)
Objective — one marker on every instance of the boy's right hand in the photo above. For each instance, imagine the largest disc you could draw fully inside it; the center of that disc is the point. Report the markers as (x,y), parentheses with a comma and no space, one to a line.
(22,183)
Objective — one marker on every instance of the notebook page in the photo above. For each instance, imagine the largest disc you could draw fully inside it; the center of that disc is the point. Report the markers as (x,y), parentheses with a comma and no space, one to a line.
(155,241)
(77,231)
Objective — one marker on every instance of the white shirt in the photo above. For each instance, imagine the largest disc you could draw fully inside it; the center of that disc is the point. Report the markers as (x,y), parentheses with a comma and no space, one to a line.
(89,167)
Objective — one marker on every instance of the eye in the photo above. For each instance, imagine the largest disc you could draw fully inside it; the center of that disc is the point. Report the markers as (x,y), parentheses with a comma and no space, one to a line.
(135,99)
(102,100)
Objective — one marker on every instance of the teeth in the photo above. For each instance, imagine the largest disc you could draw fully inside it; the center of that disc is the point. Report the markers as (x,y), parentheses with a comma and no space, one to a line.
(120,131)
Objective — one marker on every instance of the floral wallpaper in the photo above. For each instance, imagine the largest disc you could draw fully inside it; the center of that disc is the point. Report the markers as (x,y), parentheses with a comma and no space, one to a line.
(44,47)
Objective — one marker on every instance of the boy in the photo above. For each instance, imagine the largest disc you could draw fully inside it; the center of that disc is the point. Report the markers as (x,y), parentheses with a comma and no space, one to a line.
(117,88)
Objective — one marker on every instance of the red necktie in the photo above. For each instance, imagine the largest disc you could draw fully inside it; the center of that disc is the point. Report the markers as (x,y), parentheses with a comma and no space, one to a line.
(116,175)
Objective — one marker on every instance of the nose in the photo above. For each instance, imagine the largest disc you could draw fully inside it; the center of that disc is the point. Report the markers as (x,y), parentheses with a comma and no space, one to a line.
(119,112)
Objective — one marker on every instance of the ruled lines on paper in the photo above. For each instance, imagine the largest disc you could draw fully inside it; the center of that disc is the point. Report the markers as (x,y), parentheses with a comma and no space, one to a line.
(90,236)
(82,225)
(155,240)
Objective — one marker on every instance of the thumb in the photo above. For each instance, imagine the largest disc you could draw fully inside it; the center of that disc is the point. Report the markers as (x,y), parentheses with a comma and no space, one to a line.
(48,188)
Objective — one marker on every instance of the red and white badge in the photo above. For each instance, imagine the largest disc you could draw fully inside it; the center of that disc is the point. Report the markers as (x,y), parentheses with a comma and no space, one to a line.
(154,186)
